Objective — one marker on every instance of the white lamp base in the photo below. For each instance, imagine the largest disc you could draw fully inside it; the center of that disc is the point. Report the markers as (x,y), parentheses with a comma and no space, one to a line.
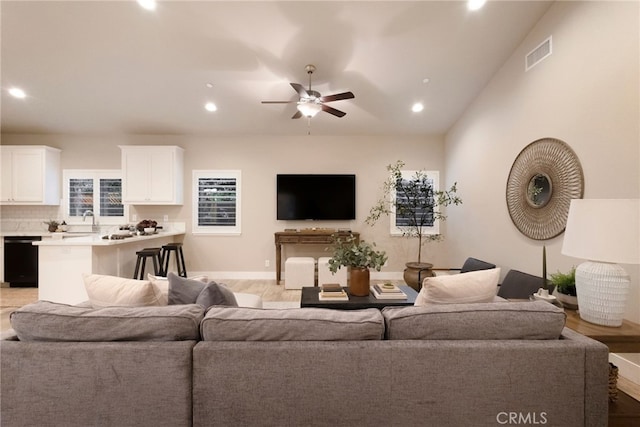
(602,290)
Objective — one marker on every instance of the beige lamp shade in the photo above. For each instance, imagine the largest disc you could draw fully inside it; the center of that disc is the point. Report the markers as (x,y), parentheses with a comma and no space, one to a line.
(605,230)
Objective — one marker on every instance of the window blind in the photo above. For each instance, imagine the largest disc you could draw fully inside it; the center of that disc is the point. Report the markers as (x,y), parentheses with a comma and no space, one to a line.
(217,198)
(111,197)
(80,196)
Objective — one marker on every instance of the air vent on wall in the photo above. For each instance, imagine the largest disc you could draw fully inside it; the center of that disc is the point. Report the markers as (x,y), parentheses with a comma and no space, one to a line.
(536,56)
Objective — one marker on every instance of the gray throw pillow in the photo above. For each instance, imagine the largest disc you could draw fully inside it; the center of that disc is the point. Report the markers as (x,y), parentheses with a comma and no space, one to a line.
(189,291)
(183,290)
(216,294)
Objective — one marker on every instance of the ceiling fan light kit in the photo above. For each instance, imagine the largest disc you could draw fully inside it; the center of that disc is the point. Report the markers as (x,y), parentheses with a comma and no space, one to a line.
(311,102)
(309,107)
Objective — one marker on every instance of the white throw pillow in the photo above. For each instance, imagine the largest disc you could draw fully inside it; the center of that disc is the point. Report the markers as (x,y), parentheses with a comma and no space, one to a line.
(474,286)
(161,284)
(112,291)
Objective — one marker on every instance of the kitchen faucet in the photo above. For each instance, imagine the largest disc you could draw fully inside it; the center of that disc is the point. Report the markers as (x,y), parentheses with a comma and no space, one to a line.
(93,219)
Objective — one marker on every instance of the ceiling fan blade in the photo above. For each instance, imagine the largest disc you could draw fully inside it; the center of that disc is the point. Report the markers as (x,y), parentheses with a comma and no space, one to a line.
(297,115)
(300,89)
(337,97)
(279,102)
(333,111)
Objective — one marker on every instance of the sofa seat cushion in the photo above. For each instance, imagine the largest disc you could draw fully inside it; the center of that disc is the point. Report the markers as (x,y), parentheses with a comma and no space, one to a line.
(474,286)
(48,321)
(536,320)
(296,324)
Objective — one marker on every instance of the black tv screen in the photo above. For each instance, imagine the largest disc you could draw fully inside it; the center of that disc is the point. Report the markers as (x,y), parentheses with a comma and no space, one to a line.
(316,197)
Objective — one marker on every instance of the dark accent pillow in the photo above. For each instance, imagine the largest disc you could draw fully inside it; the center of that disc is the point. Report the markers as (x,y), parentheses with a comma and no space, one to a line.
(183,290)
(216,294)
(189,291)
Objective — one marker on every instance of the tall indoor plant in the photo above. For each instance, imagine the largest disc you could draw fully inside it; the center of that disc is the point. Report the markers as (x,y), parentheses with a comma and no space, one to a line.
(359,256)
(417,201)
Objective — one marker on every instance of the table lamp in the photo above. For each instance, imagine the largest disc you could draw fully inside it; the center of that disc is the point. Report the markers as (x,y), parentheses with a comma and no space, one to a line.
(604,232)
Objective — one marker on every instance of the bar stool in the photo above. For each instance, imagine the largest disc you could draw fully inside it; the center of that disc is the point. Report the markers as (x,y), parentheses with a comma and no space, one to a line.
(180,264)
(154,254)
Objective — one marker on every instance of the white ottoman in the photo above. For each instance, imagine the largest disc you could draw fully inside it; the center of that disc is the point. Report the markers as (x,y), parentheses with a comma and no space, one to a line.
(299,272)
(326,276)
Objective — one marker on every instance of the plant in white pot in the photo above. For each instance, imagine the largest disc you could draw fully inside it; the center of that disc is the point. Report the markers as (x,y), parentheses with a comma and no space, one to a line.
(418,203)
(359,257)
(565,288)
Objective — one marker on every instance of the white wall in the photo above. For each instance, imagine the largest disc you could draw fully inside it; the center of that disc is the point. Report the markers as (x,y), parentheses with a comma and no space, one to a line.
(586,94)
(260,159)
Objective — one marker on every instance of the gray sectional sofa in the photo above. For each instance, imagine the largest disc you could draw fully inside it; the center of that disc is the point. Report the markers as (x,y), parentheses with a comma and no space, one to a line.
(446,365)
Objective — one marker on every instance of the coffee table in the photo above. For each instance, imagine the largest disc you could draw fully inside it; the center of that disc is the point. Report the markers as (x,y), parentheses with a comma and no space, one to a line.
(310,299)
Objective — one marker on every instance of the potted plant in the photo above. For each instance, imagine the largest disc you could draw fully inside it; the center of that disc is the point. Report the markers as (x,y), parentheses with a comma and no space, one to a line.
(52,225)
(565,288)
(359,256)
(419,203)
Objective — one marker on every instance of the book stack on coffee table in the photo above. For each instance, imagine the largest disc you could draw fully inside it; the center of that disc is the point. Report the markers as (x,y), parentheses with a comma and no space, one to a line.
(332,292)
(387,291)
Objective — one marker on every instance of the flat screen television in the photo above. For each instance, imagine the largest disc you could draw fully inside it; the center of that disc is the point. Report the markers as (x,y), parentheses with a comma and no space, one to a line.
(316,197)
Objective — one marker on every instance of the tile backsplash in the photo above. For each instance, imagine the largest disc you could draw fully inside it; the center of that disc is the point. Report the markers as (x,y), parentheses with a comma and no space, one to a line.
(31,218)
(21,218)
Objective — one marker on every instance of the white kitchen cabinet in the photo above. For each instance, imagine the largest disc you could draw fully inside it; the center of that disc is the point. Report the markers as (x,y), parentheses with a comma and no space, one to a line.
(30,175)
(152,175)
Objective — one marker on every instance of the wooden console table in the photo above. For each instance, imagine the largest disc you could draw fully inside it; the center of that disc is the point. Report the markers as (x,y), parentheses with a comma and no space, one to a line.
(625,339)
(305,237)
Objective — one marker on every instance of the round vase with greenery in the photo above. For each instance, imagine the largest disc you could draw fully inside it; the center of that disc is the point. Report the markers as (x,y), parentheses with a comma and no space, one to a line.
(359,257)
(565,288)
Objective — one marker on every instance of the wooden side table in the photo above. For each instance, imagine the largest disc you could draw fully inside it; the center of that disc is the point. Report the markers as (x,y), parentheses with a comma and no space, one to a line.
(625,339)
(305,237)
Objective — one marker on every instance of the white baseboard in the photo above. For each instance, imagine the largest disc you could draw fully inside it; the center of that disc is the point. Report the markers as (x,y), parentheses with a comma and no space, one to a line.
(628,365)
(271,275)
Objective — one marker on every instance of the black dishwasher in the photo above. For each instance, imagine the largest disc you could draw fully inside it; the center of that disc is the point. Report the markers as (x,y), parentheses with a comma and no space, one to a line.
(21,261)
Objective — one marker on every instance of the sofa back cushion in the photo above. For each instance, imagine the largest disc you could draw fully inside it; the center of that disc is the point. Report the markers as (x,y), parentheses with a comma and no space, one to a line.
(48,321)
(537,320)
(296,324)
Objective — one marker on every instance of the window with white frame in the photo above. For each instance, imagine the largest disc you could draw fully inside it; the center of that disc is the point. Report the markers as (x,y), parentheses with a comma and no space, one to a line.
(420,199)
(216,202)
(97,192)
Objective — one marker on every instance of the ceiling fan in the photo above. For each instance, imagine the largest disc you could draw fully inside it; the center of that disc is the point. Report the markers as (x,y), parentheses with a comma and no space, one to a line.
(311,102)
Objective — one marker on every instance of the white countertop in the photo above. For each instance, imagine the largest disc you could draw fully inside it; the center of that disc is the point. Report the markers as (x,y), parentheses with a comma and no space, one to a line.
(96,239)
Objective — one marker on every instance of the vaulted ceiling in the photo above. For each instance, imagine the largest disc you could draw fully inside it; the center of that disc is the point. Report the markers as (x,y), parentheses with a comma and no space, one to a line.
(111,67)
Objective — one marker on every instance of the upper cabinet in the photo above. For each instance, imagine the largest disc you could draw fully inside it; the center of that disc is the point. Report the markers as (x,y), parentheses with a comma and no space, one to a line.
(152,174)
(30,175)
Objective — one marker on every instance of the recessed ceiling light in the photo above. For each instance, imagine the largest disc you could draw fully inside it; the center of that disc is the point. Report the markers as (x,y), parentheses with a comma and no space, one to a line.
(210,106)
(475,4)
(417,107)
(17,93)
(209,85)
(426,80)
(147,4)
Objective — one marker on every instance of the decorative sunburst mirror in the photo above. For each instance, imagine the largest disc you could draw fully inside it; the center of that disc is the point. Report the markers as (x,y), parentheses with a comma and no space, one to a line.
(544,178)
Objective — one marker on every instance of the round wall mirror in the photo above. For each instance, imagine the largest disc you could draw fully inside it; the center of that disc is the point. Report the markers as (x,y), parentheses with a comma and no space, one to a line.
(539,190)
(544,178)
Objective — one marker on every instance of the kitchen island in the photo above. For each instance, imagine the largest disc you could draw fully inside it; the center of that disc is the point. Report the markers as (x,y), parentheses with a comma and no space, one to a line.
(62,262)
